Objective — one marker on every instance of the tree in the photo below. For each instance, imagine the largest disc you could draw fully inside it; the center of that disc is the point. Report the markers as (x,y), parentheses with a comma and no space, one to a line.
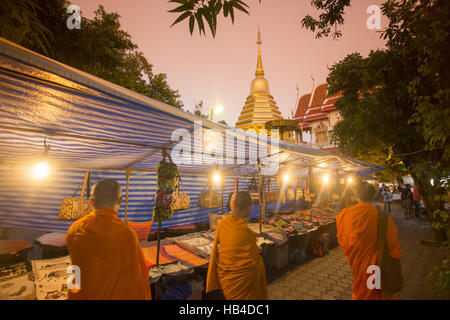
(398,98)
(100,47)
(199,110)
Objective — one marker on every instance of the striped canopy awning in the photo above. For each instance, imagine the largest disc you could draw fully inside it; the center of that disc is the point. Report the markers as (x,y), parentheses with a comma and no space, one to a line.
(92,124)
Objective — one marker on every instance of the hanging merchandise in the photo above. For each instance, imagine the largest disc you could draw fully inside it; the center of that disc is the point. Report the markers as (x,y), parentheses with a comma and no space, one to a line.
(298,193)
(73,208)
(209,199)
(271,196)
(167,174)
(290,194)
(254,191)
(181,201)
(167,181)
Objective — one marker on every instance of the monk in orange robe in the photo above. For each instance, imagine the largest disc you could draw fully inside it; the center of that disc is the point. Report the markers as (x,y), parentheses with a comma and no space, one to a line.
(107,251)
(357,236)
(236,267)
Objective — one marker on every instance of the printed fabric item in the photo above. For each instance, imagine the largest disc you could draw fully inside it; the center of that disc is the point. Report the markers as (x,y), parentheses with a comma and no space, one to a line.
(184,255)
(16,283)
(150,256)
(161,214)
(167,174)
(51,278)
(142,229)
(73,208)
(55,239)
(164,199)
(181,201)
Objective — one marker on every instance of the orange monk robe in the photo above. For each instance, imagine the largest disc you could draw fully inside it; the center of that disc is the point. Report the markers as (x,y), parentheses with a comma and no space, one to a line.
(357,236)
(110,258)
(236,266)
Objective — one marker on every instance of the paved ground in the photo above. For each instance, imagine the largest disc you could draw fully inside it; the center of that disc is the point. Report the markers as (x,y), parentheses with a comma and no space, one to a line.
(330,277)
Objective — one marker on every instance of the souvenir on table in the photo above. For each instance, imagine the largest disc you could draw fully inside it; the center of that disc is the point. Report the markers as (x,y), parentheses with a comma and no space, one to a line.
(51,278)
(16,282)
(184,255)
(254,191)
(73,208)
(142,229)
(181,201)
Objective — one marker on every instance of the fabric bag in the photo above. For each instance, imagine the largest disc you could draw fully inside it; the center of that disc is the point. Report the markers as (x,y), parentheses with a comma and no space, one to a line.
(181,201)
(161,214)
(168,174)
(391,271)
(73,208)
(254,191)
(164,199)
(271,196)
(209,199)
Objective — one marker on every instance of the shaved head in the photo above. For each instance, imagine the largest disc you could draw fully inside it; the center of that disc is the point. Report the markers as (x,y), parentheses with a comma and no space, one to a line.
(107,194)
(242,204)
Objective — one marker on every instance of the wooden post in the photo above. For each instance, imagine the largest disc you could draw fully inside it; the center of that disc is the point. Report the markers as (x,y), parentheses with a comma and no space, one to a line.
(128,173)
(158,243)
(261,200)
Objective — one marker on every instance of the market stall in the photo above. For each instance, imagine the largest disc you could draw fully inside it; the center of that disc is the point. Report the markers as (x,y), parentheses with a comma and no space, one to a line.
(62,130)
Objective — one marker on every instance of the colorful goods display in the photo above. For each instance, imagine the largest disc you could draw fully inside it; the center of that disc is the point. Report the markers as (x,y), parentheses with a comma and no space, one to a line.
(73,208)
(51,278)
(167,181)
(142,229)
(150,257)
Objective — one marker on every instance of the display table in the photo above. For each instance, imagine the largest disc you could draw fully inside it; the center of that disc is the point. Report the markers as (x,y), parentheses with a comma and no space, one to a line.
(54,245)
(13,251)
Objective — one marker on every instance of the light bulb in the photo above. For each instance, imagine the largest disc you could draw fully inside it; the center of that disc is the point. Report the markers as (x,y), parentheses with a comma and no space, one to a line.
(350,180)
(325,179)
(286,178)
(216,177)
(41,170)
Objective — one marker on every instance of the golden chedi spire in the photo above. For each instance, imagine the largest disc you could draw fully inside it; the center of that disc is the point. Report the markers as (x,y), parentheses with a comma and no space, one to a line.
(260,107)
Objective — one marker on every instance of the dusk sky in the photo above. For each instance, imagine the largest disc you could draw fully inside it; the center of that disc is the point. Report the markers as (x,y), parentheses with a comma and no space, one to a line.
(220,70)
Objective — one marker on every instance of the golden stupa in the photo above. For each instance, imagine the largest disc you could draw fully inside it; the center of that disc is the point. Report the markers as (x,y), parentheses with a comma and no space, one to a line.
(260,107)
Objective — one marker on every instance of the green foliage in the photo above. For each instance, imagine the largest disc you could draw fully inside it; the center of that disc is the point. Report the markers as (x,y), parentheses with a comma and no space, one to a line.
(332,15)
(440,276)
(202,12)
(100,48)
(19,23)
(199,110)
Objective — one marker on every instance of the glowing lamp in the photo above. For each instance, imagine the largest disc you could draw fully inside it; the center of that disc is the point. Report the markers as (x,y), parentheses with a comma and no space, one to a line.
(41,170)
(350,180)
(218,109)
(216,177)
(286,178)
(325,179)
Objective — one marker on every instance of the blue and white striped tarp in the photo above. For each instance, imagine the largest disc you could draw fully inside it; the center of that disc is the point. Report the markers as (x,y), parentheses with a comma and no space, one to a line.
(91,124)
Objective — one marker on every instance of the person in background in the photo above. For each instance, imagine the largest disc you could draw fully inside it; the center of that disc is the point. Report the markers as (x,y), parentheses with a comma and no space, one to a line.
(417,198)
(235,266)
(408,202)
(387,199)
(107,251)
(357,234)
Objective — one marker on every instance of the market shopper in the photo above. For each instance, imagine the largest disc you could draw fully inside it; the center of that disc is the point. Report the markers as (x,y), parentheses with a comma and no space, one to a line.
(417,198)
(107,251)
(236,267)
(409,201)
(387,199)
(357,235)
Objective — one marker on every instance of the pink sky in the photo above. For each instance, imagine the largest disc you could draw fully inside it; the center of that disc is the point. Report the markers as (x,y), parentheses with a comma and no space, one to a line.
(220,70)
